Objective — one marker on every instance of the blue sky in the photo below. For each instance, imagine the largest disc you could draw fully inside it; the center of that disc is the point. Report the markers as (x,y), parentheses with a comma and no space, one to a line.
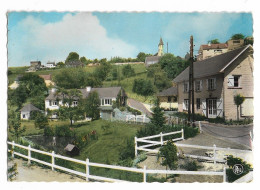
(51,36)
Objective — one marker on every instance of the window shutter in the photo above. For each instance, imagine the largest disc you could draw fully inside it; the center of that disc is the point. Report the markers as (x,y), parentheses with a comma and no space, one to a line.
(215,83)
(230,81)
(183,105)
(207,83)
(220,107)
(204,107)
(200,85)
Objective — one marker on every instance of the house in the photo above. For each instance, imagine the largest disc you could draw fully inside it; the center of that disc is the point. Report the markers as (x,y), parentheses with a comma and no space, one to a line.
(74,63)
(210,50)
(72,150)
(106,96)
(35,64)
(47,80)
(15,84)
(168,98)
(216,81)
(234,44)
(26,111)
(50,65)
(155,58)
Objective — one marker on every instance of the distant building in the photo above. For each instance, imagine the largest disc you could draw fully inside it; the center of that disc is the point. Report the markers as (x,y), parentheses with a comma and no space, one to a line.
(155,58)
(234,44)
(74,63)
(168,98)
(51,65)
(26,111)
(210,50)
(35,64)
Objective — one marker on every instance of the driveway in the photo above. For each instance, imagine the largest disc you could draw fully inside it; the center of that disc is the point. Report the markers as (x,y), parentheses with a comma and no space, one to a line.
(237,134)
(138,106)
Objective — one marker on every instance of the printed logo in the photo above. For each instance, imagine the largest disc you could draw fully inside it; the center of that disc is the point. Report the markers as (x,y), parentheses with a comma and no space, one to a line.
(238,169)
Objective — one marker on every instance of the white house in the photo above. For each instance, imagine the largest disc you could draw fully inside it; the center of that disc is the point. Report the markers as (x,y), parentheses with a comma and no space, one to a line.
(51,65)
(26,111)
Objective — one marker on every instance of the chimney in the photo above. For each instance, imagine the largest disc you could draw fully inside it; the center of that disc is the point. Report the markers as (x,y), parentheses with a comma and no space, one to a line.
(53,90)
(209,43)
(88,88)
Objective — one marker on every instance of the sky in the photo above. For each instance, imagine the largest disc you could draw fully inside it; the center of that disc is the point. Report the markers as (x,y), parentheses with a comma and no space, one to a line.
(51,36)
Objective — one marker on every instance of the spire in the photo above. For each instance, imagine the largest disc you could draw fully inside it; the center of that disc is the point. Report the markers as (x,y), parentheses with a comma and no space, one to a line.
(161,42)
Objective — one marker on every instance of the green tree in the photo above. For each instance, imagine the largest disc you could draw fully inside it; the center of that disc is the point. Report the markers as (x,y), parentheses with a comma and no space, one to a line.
(102,71)
(69,110)
(162,82)
(84,60)
(128,71)
(214,41)
(143,87)
(41,121)
(15,126)
(73,56)
(38,101)
(92,105)
(237,36)
(238,100)
(168,153)
(114,74)
(249,40)
(60,64)
(158,118)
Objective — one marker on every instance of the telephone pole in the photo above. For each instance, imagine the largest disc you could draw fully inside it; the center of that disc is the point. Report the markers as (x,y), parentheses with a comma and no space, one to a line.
(191,84)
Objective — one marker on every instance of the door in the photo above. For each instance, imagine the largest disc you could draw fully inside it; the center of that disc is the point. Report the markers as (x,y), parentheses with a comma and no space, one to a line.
(212,108)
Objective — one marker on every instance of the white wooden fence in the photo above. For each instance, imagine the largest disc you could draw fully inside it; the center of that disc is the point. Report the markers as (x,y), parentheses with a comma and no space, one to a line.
(87,164)
(154,143)
(137,118)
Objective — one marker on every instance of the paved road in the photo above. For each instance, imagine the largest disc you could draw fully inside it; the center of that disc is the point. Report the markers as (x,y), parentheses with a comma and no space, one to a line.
(138,106)
(239,134)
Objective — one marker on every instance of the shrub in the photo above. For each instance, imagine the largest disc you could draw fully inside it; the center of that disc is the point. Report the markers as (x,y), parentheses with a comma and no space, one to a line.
(169,154)
(133,111)
(231,161)
(63,131)
(191,165)
(128,151)
(48,131)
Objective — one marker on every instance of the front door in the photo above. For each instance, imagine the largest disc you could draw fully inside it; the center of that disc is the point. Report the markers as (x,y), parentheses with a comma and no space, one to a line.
(212,108)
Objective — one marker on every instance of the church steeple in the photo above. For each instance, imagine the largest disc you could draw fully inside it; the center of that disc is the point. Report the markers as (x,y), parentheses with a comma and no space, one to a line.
(160,48)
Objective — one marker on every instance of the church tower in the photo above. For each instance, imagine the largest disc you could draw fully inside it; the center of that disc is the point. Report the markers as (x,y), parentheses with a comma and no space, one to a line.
(160,48)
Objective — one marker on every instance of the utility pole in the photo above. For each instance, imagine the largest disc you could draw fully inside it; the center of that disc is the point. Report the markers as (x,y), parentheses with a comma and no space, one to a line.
(191,85)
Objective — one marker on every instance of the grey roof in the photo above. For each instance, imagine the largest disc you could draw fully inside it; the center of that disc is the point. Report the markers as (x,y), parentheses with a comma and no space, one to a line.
(211,66)
(108,92)
(152,59)
(69,147)
(29,108)
(169,92)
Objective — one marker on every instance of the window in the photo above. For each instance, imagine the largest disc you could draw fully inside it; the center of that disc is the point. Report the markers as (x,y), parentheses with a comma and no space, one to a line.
(54,103)
(198,103)
(233,81)
(23,115)
(75,103)
(106,102)
(186,104)
(198,85)
(211,83)
(186,87)
(169,98)
(49,102)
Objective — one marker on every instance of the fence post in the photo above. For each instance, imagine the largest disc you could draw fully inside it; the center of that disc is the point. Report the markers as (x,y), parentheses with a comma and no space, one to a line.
(182,134)
(144,174)
(29,155)
(224,175)
(12,149)
(135,146)
(52,160)
(161,138)
(214,152)
(87,169)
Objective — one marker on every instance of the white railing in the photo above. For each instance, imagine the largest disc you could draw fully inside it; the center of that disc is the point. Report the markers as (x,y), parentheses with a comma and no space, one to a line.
(87,164)
(154,143)
(137,118)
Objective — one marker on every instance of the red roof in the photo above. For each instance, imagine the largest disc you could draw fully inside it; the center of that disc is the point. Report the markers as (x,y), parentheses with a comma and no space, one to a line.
(214,46)
(46,77)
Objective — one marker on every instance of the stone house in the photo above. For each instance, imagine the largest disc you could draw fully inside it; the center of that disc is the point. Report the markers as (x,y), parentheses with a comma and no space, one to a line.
(168,98)
(210,50)
(106,96)
(216,81)
(35,64)
(50,65)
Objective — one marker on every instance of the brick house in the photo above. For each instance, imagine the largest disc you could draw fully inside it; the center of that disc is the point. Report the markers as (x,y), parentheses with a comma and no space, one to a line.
(216,81)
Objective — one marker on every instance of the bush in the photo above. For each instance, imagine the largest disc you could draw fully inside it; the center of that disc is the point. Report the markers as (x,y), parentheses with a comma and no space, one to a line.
(133,111)
(169,154)
(128,151)
(48,131)
(191,165)
(63,131)
(231,161)
(128,71)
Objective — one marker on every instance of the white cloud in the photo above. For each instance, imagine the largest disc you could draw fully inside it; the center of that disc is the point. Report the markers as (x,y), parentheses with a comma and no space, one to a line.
(81,33)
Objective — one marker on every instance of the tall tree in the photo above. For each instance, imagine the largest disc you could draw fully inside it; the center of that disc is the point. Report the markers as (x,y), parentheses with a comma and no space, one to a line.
(92,105)
(214,41)
(158,118)
(128,71)
(238,100)
(15,127)
(73,56)
(143,87)
(169,154)
(237,36)
(41,121)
